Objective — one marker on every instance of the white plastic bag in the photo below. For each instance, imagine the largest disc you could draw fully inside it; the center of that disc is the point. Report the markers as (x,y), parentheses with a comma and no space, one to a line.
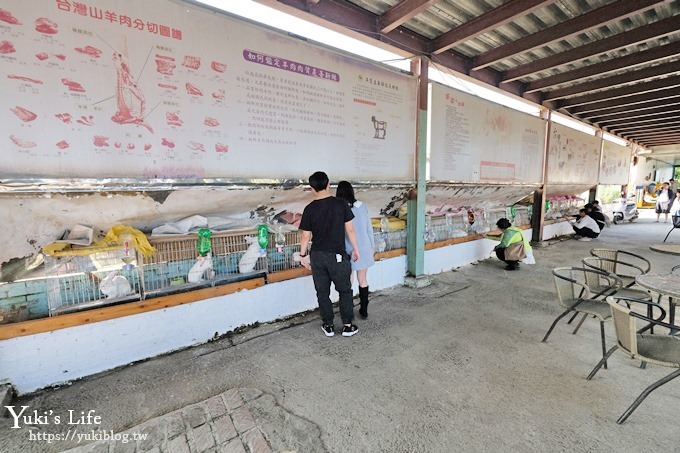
(530,257)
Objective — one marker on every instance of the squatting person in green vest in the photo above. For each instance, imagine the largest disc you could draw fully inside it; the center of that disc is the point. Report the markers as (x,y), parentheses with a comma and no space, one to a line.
(513,246)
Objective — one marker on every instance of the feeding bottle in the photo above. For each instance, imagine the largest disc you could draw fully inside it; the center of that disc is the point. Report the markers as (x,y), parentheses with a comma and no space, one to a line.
(204,246)
(263,238)
(128,257)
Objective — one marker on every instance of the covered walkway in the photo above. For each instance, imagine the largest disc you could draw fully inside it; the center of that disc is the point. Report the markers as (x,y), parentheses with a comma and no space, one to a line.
(456,366)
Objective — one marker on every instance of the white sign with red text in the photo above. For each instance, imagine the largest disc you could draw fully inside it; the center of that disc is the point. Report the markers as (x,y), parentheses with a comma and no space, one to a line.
(164,90)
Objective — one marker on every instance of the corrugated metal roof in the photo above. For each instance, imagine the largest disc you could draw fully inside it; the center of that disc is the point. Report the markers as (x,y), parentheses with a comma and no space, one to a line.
(609,63)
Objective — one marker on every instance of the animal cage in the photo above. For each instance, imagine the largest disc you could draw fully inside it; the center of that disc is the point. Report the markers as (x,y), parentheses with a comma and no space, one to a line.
(280,251)
(228,249)
(176,265)
(169,266)
(116,275)
(448,226)
(101,278)
(385,241)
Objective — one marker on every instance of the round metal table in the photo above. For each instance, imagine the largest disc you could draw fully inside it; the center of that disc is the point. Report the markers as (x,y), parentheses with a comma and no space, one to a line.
(672,249)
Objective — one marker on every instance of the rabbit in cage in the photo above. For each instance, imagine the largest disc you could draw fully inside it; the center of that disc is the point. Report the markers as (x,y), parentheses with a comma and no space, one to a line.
(202,267)
(115,285)
(249,259)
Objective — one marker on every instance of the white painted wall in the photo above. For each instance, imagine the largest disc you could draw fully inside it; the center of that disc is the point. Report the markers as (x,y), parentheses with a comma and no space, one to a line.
(557,229)
(36,361)
(446,258)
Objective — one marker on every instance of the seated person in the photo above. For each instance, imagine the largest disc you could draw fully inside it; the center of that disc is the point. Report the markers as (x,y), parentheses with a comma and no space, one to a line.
(595,214)
(586,227)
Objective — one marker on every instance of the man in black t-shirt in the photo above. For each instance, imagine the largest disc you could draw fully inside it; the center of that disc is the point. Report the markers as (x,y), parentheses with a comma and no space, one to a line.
(325,221)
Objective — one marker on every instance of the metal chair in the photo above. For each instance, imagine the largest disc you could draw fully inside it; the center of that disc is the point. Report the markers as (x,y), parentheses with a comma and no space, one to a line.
(625,265)
(574,294)
(671,304)
(676,224)
(660,349)
(598,286)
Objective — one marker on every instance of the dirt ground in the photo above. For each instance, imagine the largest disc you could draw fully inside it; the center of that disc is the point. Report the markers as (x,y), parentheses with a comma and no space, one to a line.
(457,366)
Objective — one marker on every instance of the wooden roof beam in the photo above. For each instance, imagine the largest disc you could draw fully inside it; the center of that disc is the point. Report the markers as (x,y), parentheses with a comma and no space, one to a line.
(661,141)
(642,121)
(624,118)
(614,81)
(622,94)
(639,130)
(661,136)
(627,62)
(501,15)
(402,12)
(628,38)
(629,109)
(667,121)
(629,101)
(597,17)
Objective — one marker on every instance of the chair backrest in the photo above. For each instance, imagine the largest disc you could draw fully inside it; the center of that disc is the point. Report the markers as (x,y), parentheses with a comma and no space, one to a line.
(567,284)
(624,325)
(610,258)
(622,262)
(572,284)
(676,221)
(595,280)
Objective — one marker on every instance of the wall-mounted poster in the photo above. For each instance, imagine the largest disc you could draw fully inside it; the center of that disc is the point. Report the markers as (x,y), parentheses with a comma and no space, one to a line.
(163,89)
(615,165)
(475,140)
(573,157)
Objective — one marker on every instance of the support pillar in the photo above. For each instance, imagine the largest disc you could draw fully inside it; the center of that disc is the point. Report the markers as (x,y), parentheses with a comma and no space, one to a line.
(415,242)
(538,208)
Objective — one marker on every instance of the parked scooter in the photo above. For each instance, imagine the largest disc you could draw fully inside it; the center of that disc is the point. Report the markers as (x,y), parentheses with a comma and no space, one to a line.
(624,209)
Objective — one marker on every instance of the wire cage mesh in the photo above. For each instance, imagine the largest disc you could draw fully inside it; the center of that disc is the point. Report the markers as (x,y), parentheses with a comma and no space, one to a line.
(228,249)
(177,265)
(101,278)
(389,240)
(116,275)
(281,248)
(170,265)
(522,216)
(448,226)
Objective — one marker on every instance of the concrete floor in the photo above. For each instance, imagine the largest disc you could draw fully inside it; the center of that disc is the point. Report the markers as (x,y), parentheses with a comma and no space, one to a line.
(455,366)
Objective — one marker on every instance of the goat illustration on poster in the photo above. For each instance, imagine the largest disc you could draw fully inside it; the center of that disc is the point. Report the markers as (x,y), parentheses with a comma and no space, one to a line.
(380,128)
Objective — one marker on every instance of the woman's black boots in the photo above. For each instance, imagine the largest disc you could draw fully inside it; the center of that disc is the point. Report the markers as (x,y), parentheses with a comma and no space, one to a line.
(363,302)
